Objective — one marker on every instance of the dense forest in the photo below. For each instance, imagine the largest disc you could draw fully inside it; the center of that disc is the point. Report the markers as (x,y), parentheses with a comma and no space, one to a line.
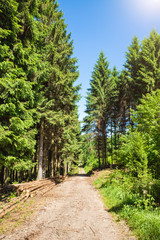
(40,133)
(39,127)
(123,110)
(122,133)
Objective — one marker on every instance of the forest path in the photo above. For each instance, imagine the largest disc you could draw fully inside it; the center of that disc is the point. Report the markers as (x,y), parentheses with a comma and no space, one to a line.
(73,211)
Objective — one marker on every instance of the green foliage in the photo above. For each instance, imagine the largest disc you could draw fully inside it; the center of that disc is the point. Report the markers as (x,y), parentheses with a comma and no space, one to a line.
(133,154)
(139,150)
(132,66)
(149,63)
(118,191)
(128,138)
(37,75)
(74,170)
(98,98)
(91,164)
(88,155)
(147,117)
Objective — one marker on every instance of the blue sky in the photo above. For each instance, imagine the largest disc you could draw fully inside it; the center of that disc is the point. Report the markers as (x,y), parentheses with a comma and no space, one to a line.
(108,26)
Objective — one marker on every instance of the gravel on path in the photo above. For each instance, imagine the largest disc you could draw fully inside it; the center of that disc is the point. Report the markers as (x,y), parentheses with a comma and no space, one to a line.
(73,211)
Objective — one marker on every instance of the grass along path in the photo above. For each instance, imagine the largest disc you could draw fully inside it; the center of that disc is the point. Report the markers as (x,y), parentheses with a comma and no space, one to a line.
(141,216)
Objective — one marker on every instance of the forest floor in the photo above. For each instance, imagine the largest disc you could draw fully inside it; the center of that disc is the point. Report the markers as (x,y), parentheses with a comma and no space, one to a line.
(71,210)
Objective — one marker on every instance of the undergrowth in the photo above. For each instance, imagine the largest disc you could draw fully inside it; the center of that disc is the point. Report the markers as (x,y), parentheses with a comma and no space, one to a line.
(74,170)
(6,196)
(132,201)
(91,165)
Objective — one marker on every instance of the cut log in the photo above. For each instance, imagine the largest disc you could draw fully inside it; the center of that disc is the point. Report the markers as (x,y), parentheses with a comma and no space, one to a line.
(26,190)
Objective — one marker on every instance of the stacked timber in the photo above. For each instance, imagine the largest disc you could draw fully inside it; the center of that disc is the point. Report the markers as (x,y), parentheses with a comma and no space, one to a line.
(26,190)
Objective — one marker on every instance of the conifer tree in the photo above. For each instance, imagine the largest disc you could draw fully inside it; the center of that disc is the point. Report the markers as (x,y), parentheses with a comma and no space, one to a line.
(59,94)
(114,110)
(149,73)
(37,73)
(16,98)
(132,65)
(97,103)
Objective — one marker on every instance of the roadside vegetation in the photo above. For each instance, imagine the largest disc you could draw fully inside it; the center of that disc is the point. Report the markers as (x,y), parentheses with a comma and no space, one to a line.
(122,131)
(73,170)
(133,201)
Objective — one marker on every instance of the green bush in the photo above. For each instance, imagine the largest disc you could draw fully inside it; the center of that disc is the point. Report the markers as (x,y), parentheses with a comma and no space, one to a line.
(123,195)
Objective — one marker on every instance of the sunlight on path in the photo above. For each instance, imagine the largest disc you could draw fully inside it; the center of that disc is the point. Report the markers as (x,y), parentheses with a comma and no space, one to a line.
(74,211)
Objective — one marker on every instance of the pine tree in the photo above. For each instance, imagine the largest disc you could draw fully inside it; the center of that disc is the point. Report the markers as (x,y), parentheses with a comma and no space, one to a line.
(37,73)
(132,65)
(97,104)
(16,98)
(149,73)
(114,110)
(59,94)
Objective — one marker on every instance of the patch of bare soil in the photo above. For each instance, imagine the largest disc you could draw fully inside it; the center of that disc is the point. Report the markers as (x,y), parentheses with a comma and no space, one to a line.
(72,210)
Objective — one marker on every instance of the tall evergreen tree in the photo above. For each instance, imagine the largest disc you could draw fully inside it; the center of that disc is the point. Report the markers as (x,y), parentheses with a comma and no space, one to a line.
(59,94)
(16,98)
(149,73)
(37,73)
(132,65)
(97,103)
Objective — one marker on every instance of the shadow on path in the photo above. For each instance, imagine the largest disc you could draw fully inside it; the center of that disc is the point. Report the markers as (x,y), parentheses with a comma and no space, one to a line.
(79,175)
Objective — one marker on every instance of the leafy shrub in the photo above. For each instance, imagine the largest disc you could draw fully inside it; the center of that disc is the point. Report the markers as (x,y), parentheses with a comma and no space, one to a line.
(122,194)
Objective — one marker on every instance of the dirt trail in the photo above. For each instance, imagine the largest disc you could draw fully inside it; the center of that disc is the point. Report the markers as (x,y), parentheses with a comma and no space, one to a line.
(73,212)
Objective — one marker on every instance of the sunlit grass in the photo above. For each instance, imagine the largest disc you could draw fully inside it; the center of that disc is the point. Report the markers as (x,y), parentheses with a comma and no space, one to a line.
(119,196)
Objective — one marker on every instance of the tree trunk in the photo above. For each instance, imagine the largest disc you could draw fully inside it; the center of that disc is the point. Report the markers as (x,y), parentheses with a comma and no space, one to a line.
(61,167)
(55,161)
(45,156)
(111,146)
(66,168)
(99,144)
(98,149)
(115,136)
(6,172)
(16,176)
(49,170)
(124,120)
(2,175)
(106,149)
(13,176)
(40,156)
(34,173)
(104,144)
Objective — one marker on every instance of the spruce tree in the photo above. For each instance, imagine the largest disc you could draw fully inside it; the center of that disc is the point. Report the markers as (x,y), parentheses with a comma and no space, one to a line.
(16,98)
(57,90)
(38,97)
(132,65)
(149,73)
(97,103)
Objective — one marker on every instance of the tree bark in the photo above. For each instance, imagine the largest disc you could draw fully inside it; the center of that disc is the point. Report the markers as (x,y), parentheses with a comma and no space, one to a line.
(99,144)
(111,146)
(115,136)
(6,173)
(45,156)
(99,157)
(2,175)
(66,168)
(104,144)
(40,155)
